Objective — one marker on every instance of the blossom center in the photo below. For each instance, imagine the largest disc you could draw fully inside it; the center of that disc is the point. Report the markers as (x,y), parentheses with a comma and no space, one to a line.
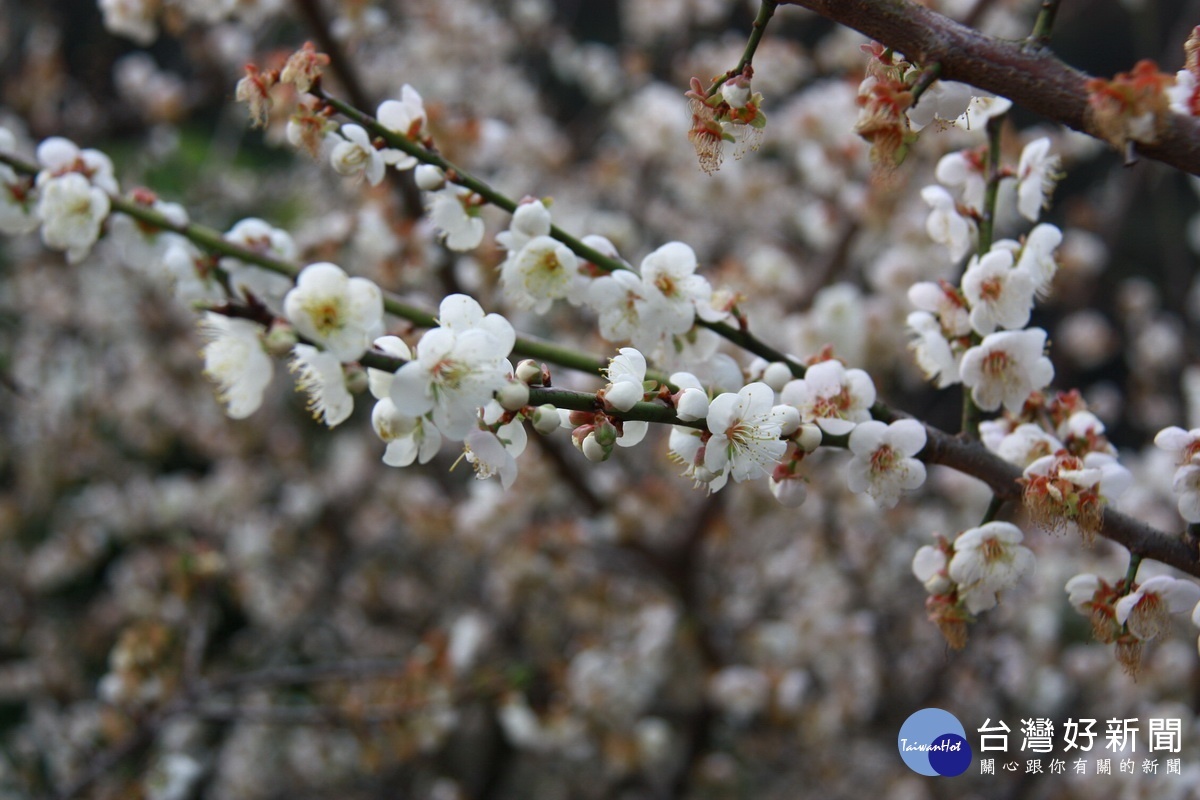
(991,289)
(995,363)
(884,459)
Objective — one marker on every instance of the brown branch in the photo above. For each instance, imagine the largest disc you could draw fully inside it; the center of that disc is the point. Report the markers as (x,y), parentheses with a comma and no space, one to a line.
(972,458)
(1031,77)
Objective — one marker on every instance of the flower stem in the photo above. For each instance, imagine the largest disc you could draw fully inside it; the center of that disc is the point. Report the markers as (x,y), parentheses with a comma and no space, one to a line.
(987,221)
(1135,561)
(766,10)
(992,510)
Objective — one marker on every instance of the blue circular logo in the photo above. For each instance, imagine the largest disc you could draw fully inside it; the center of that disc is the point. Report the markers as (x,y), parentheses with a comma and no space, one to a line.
(933,742)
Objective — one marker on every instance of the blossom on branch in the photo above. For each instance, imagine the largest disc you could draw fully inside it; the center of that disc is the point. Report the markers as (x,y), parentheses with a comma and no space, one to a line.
(988,560)
(1006,368)
(234,359)
(319,374)
(883,465)
(343,314)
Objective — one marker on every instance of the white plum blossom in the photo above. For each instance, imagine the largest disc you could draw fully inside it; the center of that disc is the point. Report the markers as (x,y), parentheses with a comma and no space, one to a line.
(1100,473)
(618,299)
(1037,173)
(626,374)
(456,217)
(72,211)
(319,375)
(946,303)
(1006,368)
(408,438)
(58,156)
(1186,484)
(965,169)
(457,368)
(988,560)
(542,271)
(1026,444)
(944,224)
(999,294)
(1037,255)
(195,282)
(234,359)
(745,431)
(529,221)
(142,246)
(981,109)
(944,101)
(883,465)
(248,279)
(1081,591)
(496,453)
(461,313)
(933,352)
(832,396)
(406,117)
(672,292)
(342,314)
(1183,445)
(1147,610)
(354,156)
(929,565)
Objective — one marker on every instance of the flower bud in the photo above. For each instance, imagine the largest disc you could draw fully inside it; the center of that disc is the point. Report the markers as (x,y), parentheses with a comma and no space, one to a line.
(529,372)
(513,396)
(776,375)
(593,450)
(280,339)
(691,405)
(429,177)
(606,434)
(809,437)
(546,419)
(736,91)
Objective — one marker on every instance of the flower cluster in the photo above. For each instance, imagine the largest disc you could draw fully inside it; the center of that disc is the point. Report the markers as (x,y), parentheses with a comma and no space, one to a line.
(966,576)
(1130,614)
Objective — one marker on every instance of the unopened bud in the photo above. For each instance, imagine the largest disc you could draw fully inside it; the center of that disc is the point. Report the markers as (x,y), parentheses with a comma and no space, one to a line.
(691,405)
(606,434)
(513,396)
(776,375)
(736,91)
(546,419)
(429,177)
(529,372)
(280,339)
(809,437)
(593,450)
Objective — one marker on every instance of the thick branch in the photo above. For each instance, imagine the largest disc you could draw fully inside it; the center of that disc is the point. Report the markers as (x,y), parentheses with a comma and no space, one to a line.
(1030,77)
(972,458)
